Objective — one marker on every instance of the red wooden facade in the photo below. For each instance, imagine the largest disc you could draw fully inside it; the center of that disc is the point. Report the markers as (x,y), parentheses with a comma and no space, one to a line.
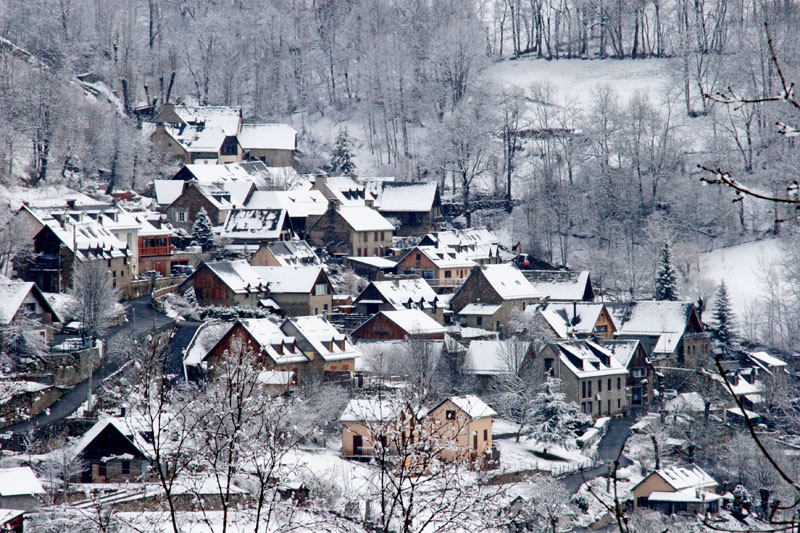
(379,327)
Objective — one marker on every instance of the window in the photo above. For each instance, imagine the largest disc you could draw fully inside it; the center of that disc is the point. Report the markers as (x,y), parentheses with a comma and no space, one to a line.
(478,320)
(181,216)
(320,289)
(324,308)
(126,467)
(419,257)
(427,274)
(608,404)
(109,262)
(589,393)
(590,407)
(375,237)
(619,383)
(609,383)
(599,385)
(101,470)
(548,365)
(619,403)
(346,367)
(485,435)
(601,329)
(450,414)
(583,390)
(448,274)
(381,236)
(638,372)
(375,250)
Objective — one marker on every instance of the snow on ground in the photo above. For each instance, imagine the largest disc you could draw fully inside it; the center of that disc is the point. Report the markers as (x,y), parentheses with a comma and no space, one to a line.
(576,79)
(328,465)
(520,456)
(739,267)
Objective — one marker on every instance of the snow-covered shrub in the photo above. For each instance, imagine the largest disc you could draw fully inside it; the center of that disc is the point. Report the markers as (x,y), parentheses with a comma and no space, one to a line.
(232,313)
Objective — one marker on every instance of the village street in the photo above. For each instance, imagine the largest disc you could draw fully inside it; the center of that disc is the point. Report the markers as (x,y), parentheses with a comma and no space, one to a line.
(147,319)
(608,449)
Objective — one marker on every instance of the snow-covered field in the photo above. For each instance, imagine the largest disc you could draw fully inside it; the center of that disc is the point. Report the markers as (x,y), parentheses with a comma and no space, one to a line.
(740,267)
(576,79)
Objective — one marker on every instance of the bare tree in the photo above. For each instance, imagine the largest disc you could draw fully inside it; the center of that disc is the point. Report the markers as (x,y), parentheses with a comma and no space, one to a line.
(95,296)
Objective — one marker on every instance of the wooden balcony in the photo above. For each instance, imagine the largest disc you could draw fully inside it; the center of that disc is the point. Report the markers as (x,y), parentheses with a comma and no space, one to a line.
(155,250)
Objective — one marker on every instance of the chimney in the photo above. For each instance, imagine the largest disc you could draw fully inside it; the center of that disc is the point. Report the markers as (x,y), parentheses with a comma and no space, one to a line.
(71,203)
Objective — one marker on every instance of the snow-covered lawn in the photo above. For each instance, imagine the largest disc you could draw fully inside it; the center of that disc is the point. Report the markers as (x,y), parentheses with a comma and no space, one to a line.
(739,267)
(522,456)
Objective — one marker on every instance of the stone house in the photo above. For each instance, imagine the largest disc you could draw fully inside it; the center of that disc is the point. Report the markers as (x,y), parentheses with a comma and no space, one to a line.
(298,290)
(20,489)
(227,284)
(397,295)
(112,452)
(183,211)
(398,325)
(590,376)
(352,231)
(490,294)
(477,244)
(302,207)
(274,145)
(675,489)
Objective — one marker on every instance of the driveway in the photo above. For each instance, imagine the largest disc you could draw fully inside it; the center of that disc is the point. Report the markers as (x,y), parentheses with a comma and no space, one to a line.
(608,449)
(146,319)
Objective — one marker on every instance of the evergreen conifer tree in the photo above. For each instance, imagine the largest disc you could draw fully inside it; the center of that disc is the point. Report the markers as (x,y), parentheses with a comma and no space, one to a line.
(723,316)
(666,285)
(342,155)
(202,230)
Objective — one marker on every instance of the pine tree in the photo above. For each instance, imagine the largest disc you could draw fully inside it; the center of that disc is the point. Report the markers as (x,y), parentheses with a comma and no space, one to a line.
(202,231)
(666,280)
(723,317)
(342,155)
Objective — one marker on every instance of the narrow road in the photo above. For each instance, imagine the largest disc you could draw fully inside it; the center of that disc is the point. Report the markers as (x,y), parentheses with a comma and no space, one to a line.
(146,319)
(608,449)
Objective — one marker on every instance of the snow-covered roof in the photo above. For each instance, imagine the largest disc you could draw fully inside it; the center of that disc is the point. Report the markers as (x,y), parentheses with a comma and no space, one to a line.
(370,410)
(480,309)
(473,406)
(167,191)
(147,228)
(376,262)
(689,495)
(396,197)
(571,317)
(239,276)
(362,218)
(293,253)
(508,282)
(120,425)
(273,341)
(766,360)
(13,294)
(680,478)
(407,293)
(324,338)
(445,257)
(587,359)
(456,237)
(253,224)
(686,402)
(204,339)
(289,279)
(345,191)
(559,284)
(414,321)
(665,319)
(81,231)
(298,203)
(492,357)
(267,137)
(623,350)
(194,139)
(19,481)
(224,117)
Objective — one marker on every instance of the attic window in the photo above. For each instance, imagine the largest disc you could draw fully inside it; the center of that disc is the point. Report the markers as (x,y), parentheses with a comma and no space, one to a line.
(450,414)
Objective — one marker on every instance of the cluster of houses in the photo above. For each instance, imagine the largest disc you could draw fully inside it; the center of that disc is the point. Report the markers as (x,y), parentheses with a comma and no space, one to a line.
(282,241)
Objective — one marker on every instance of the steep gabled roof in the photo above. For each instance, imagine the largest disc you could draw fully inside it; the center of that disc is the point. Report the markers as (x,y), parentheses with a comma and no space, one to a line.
(268,137)
(362,218)
(281,348)
(405,293)
(587,359)
(292,253)
(370,410)
(680,478)
(571,317)
(323,337)
(13,293)
(508,282)
(405,197)
(239,276)
(665,320)
(561,284)
(290,279)
(120,426)
(298,203)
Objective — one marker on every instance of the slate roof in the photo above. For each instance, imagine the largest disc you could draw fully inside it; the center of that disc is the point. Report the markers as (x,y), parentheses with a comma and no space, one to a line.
(570,317)
(324,338)
(362,218)
(298,203)
(239,276)
(561,284)
(406,293)
(508,282)
(588,359)
(254,224)
(665,320)
(289,279)
(293,253)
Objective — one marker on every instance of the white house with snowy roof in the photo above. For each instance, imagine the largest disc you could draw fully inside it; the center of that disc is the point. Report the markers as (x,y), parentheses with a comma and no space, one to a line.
(489,296)
(591,376)
(20,299)
(677,489)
